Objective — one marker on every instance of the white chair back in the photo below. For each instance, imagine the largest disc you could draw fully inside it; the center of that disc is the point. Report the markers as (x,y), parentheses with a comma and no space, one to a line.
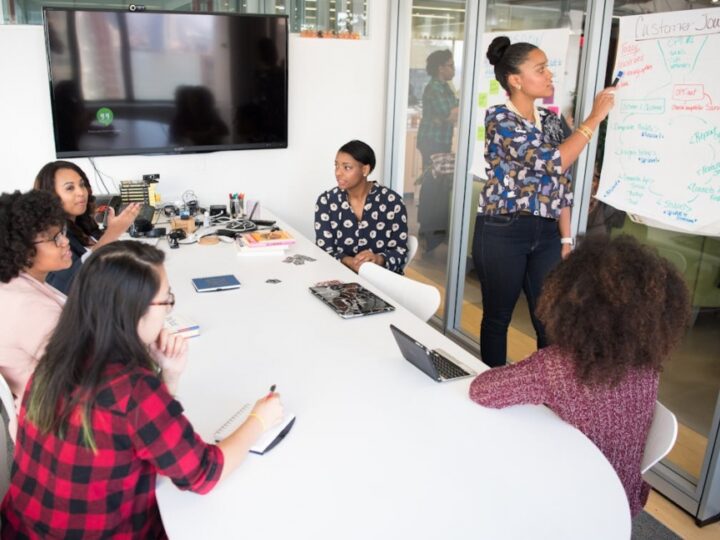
(7,433)
(661,437)
(412,245)
(421,299)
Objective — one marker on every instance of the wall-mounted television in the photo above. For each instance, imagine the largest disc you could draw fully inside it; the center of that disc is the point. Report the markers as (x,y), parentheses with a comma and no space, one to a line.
(166,82)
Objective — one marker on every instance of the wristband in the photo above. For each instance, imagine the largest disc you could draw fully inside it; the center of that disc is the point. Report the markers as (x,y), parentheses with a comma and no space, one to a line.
(259,419)
(568,240)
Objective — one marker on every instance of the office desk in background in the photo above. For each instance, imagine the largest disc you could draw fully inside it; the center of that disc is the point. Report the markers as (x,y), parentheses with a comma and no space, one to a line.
(378,450)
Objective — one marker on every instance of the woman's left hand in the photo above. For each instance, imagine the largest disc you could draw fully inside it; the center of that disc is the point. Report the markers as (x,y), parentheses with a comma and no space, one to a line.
(170,353)
(565,250)
(369,256)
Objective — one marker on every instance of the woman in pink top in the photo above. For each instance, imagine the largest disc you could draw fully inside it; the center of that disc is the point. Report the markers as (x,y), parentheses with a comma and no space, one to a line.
(32,243)
(614,310)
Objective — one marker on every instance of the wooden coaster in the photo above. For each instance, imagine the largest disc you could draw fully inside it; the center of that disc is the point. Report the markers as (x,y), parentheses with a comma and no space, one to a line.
(209,240)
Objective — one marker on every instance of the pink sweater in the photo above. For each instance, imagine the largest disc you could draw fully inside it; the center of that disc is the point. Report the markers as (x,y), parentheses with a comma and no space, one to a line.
(616,419)
(30,311)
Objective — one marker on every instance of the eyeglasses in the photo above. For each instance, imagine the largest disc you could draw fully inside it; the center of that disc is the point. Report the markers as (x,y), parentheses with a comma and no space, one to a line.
(58,238)
(170,302)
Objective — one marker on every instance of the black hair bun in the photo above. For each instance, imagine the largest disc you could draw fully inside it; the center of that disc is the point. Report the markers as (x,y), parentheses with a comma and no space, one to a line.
(497,49)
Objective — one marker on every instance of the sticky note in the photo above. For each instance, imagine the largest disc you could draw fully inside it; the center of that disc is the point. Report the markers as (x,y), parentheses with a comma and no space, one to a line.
(480,133)
(494,87)
(482,100)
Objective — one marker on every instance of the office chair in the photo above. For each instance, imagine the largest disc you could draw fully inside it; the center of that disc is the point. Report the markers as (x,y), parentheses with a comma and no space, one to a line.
(412,244)
(420,299)
(661,437)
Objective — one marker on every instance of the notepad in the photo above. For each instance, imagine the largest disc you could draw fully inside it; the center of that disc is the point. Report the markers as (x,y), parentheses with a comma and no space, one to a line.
(267,441)
(215,283)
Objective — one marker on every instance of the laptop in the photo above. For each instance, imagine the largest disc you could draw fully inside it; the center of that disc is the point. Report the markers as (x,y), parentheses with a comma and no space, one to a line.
(436,364)
(350,299)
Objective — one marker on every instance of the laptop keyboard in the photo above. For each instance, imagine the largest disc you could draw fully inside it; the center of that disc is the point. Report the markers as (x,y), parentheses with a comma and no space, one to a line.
(446,368)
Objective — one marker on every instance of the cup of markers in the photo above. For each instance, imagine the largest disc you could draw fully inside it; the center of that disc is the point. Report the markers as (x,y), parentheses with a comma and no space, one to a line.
(236,205)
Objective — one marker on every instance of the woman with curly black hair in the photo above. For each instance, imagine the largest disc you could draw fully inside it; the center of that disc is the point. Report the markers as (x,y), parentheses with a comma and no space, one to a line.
(614,310)
(32,244)
(71,185)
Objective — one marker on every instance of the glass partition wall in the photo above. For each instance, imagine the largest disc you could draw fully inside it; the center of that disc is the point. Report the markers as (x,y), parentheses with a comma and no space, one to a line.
(579,38)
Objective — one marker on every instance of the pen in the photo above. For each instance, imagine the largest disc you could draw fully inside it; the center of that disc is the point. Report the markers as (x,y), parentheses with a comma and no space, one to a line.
(272,389)
(617,78)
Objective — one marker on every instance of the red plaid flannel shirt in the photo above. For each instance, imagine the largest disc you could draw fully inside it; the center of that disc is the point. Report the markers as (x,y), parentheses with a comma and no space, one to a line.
(61,489)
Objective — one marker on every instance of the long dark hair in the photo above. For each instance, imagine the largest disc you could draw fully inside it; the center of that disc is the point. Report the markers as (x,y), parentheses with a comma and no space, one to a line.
(507,58)
(614,305)
(98,326)
(22,217)
(84,226)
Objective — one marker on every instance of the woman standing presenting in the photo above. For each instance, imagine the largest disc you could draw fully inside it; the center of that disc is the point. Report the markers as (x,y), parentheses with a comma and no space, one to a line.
(523,220)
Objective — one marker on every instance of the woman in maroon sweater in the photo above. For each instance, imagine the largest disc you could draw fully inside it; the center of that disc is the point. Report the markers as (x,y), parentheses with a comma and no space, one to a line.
(614,310)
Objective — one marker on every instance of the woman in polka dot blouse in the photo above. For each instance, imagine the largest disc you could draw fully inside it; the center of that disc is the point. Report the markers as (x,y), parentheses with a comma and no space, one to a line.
(360,221)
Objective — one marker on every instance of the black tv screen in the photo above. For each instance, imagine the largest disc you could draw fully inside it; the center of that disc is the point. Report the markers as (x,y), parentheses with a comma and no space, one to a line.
(166,82)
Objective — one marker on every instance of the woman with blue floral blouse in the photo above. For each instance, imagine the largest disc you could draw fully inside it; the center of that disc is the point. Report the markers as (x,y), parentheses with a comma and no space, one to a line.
(523,222)
(360,221)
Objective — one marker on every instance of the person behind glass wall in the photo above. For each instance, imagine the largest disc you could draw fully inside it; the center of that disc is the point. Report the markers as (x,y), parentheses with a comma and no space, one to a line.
(360,221)
(70,183)
(439,107)
(99,417)
(614,310)
(523,219)
(32,244)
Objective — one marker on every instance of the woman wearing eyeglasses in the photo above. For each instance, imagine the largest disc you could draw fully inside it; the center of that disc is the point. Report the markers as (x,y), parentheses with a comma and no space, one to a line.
(99,423)
(32,244)
(71,185)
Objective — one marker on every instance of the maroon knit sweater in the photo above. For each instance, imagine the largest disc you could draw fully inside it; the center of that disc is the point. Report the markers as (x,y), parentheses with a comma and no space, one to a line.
(617,419)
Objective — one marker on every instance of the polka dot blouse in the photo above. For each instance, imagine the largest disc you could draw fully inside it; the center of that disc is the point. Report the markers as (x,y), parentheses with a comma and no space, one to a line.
(382,229)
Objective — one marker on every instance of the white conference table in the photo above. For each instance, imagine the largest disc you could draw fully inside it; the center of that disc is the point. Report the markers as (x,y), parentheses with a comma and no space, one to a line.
(378,450)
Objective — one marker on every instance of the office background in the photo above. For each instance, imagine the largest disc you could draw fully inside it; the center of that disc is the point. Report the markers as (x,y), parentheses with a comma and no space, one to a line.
(368,89)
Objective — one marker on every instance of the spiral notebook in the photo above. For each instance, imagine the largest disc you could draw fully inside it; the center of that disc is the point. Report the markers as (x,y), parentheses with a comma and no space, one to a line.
(267,441)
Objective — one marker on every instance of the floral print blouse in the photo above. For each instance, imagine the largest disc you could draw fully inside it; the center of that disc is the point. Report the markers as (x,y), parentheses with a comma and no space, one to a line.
(382,229)
(523,165)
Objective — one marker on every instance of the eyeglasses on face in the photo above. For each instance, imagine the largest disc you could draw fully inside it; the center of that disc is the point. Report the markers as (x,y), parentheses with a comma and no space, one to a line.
(170,302)
(58,238)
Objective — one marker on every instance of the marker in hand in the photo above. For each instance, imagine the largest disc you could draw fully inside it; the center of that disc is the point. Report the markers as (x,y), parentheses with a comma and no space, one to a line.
(617,78)
(272,389)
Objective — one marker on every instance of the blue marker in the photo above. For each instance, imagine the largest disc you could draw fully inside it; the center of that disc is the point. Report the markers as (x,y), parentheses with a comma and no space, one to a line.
(617,78)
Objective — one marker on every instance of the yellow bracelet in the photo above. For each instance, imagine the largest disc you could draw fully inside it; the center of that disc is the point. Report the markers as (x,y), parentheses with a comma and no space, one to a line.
(259,419)
(582,128)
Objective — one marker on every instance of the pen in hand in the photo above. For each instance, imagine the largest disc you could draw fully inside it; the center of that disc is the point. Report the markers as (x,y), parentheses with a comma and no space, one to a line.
(617,78)
(272,390)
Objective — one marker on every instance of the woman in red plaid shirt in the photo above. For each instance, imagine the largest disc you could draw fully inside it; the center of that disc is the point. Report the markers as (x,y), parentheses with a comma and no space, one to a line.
(99,422)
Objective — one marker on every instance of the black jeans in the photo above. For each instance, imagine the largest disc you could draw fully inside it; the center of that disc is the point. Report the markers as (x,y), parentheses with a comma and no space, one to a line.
(511,252)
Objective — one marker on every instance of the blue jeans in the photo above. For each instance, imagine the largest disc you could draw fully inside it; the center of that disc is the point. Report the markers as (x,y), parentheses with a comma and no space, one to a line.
(511,252)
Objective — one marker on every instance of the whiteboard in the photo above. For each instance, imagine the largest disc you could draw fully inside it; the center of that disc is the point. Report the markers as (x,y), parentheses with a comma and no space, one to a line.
(662,150)
(554,43)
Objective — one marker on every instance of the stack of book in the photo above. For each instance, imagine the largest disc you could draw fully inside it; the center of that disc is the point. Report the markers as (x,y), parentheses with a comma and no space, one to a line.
(265,242)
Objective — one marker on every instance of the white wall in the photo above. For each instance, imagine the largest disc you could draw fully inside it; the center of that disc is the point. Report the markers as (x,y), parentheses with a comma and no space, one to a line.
(336,93)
